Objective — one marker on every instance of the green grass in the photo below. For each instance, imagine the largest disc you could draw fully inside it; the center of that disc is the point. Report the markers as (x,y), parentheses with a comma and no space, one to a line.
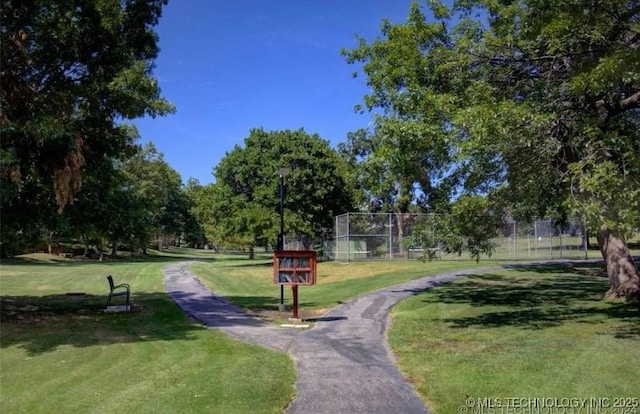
(250,284)
(545,248)
(61,353)
(516,333)
(542,332)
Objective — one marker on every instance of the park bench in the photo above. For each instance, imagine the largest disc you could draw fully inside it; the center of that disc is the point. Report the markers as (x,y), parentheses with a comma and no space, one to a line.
(117,290)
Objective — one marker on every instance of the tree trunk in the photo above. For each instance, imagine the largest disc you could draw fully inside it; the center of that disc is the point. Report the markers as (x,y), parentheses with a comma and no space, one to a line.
(624,277)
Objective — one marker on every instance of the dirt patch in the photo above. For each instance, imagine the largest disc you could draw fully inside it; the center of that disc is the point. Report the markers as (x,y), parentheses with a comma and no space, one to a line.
(34,310)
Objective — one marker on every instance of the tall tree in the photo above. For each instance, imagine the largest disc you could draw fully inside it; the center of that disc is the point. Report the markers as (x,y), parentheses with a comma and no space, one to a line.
(538,102)
(195,232)
(400,169)
(396,167)
(247,187)
(203,199)
(72,71)
(157,187)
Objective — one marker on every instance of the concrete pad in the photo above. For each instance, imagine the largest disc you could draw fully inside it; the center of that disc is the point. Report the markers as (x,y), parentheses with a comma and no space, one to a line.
(119,308)
(292,325)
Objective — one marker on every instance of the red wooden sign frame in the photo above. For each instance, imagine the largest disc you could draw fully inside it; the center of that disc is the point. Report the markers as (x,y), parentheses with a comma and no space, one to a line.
(294,268)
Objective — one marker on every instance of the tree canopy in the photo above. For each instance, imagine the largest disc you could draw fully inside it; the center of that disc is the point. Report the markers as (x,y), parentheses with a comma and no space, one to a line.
(246,197)
(72,72)
(160,210)
(535,104)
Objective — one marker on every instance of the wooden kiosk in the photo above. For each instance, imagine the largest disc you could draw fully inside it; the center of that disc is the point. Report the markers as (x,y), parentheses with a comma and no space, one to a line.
(294,268)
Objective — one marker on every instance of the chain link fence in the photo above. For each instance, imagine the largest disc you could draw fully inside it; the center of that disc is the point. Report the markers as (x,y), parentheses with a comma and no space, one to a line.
(391,236)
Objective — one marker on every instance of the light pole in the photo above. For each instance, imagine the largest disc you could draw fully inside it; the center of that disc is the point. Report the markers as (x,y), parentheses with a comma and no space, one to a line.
(283,171)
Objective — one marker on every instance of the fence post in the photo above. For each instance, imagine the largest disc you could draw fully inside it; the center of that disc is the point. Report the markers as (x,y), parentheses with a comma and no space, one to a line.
(336,253)
(585,241)
(348,238)
(515,239)
(390,236)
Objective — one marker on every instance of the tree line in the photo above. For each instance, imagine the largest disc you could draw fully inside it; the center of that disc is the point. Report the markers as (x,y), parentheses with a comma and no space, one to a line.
(482,110)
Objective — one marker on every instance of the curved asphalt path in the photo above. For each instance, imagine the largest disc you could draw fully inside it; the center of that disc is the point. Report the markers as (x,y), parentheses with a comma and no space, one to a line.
(344,364)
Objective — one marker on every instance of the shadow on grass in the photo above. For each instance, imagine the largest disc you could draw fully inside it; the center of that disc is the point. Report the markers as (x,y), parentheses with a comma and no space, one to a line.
(542,296)
(81,261)
(152,256)
(593,267)
(327,319)
(266,302)
(254,302)
(41,324)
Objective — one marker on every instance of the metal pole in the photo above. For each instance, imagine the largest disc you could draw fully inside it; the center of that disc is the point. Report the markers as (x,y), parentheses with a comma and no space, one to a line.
(348,239)
(390,237)
(336,241)
(585,241)
(515,238)
(281,234)
(282,172)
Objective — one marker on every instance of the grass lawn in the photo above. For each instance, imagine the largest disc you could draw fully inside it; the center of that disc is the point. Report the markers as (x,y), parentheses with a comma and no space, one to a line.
(250,283)
(541,332)
(61,353)
(517,333)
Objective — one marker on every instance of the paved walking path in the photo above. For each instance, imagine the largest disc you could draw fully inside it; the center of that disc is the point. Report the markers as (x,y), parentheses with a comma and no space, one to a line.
(344,363)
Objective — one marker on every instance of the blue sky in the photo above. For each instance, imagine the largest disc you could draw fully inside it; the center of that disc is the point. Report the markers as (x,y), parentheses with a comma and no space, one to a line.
(232,65)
